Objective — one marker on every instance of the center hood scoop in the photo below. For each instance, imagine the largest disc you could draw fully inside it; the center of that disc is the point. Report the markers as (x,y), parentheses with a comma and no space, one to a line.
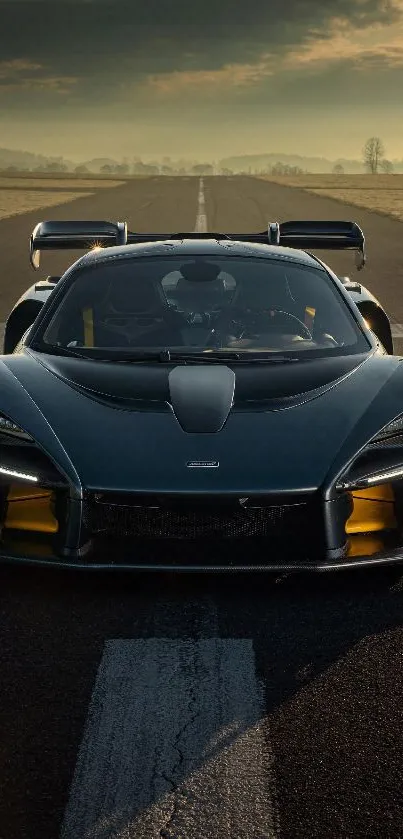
(201,397)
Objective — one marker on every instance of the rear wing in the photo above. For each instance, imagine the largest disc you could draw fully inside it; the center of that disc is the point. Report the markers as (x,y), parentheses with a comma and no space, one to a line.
(74,235)
(304,235)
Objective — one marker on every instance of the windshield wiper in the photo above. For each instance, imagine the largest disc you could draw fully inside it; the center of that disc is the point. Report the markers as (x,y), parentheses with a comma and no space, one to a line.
(166,356)
(219,357)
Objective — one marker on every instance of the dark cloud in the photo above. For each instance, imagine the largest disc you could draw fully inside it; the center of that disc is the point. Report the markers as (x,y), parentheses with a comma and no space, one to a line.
(72,60)
(162,35)
(92,51)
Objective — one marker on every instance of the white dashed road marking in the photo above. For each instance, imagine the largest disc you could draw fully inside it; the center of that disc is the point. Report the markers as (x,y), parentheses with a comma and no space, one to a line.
(201,218)
(176,745)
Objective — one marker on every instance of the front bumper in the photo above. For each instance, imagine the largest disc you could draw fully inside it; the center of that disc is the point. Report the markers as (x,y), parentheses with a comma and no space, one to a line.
(104,556)
(187,535)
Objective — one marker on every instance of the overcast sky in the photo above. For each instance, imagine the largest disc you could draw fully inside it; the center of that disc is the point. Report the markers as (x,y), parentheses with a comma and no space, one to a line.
(205,78)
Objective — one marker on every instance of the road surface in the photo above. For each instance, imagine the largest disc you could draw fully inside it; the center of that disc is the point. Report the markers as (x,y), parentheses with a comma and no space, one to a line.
(162,707)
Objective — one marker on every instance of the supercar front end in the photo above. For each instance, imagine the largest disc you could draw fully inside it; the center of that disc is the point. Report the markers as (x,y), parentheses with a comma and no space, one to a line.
(358,521)
(200,402)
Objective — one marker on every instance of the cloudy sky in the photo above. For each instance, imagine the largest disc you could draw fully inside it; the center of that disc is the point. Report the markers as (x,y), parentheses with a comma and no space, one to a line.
(204,78)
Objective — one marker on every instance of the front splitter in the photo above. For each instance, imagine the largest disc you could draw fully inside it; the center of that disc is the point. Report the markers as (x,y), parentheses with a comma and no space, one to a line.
(384,558)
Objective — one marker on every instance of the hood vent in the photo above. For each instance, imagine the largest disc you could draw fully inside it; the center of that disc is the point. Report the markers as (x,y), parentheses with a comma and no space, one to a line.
(201,397)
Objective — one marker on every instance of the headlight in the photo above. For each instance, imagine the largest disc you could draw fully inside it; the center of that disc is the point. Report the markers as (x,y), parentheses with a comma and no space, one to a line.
(22,458)
(15,449)
(380,462)
(9,427)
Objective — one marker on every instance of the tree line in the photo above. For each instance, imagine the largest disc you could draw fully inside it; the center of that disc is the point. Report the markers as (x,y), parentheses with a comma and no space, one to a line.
(373,158)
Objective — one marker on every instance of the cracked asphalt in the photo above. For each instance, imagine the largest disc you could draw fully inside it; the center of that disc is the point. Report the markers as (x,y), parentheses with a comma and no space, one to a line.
(198,707)
(201,706)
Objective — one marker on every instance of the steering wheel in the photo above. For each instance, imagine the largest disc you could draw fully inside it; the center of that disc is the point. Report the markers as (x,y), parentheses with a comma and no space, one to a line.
(197,319)
(251,315)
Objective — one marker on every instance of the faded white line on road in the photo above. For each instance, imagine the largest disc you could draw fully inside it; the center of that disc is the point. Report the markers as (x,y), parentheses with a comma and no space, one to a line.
(201,218)
(176,745)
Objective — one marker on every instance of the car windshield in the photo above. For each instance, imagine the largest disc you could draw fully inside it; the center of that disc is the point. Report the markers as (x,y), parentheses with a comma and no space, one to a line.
(196,304)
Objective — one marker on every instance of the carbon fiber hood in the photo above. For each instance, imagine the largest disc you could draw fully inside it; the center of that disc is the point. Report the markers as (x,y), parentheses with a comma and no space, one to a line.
(281,428)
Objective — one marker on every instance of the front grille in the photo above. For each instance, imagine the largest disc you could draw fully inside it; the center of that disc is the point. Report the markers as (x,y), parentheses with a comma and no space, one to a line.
(287,528)
(174,524)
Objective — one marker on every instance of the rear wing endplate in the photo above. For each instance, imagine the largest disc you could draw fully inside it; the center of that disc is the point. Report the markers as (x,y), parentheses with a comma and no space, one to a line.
(324,235)
(75,235)
(304,235)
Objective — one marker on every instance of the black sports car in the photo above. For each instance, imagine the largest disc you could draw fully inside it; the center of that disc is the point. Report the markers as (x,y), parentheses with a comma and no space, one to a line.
(200,402)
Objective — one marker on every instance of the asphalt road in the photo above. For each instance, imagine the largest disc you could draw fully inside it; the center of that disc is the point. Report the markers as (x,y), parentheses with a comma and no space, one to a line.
(163,707)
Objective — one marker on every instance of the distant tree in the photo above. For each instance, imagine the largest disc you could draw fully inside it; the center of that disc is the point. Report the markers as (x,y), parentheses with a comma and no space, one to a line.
(56,166)
(106,169)
(338,169)
(81,169)
(202,169)
(121,169)
(284,169)
(373,153)
(140,168)
(387,167)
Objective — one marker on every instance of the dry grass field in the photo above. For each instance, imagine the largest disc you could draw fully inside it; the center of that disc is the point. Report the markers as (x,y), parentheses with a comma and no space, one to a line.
(378,193)
(14,202)
(23,182)
(24,192)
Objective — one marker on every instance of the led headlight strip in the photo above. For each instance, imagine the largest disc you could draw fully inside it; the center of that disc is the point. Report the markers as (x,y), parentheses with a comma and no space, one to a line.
(393,429)
(370,480)
(9,427)
(12,473)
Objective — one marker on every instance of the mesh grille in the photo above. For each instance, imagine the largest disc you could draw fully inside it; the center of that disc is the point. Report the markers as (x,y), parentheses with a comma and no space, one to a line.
(278,522)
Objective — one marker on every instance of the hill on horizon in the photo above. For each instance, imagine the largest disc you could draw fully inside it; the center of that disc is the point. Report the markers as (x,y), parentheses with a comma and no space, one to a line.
(313,165)
(253,163)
